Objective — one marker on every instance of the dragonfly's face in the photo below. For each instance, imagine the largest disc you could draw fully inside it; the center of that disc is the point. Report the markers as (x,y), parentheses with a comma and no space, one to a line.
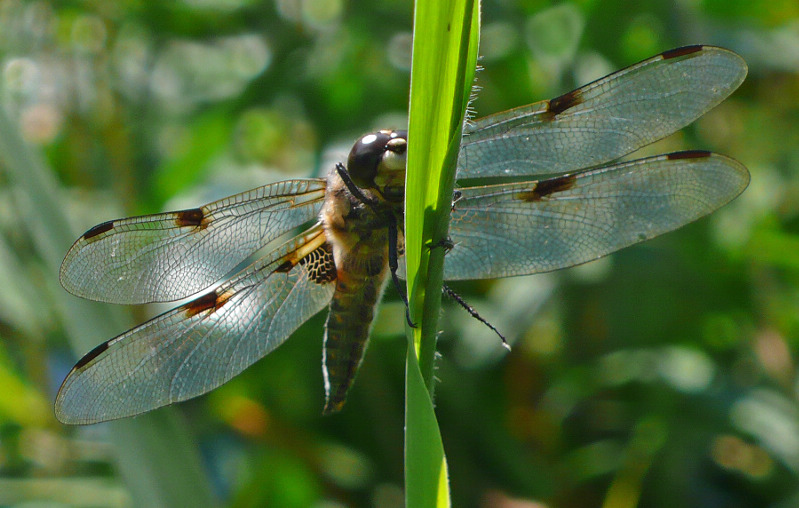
(377,161)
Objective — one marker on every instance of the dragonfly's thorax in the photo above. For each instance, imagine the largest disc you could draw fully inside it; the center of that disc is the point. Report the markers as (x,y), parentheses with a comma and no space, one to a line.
(357,226)
(358,231)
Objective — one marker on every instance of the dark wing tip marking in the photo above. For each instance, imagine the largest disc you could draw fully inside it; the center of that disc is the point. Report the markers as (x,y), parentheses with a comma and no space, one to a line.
(193,217)
(98,230)
(91,355)
(568,100)
(678,52)
(211,301)
(689,154)
(545,188)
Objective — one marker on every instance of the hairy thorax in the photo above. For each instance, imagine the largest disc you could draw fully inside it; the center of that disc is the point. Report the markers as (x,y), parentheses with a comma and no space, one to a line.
(357,231)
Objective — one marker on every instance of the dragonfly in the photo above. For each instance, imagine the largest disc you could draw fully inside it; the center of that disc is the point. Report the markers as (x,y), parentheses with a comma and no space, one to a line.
(566,196)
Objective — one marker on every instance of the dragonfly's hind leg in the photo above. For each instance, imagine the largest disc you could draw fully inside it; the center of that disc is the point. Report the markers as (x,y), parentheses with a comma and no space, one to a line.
(447,244)
(468,308)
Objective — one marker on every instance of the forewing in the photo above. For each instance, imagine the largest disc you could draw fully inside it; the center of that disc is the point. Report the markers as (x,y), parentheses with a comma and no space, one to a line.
(604,120)
(200,345)
(173,255)
(532,227)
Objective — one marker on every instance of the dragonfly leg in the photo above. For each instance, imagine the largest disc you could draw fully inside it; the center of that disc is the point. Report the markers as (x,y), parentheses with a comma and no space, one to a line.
(456,196)
(446,243)
(460,301)
(354,190)
(393,264)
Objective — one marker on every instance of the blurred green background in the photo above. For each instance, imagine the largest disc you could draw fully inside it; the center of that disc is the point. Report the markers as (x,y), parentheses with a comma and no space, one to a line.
(662,376)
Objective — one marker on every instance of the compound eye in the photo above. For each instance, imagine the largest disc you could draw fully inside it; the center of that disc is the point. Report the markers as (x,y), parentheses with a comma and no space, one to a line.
(398,142)
(399,135)
(365,157)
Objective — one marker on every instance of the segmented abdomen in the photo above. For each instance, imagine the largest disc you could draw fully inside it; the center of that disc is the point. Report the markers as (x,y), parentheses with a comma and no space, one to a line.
(352,310)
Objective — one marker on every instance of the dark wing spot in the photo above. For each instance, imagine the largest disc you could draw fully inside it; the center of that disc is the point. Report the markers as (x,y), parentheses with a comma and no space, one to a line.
(190,218)
(285,267)
(544,188)
(211,301)
(678,52)
(688,154)
(91,355)
(320,265)
(98,230)
(566,101)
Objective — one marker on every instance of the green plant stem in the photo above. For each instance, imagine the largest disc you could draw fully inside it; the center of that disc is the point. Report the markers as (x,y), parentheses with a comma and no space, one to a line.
(444,58)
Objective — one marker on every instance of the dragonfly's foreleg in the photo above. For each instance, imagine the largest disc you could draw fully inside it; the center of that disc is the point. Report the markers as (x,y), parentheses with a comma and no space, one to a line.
(354,189)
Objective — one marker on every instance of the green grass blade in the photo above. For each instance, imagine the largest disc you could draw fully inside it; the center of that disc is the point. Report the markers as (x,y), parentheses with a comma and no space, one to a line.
(426,480)
(446,35)
(444,60)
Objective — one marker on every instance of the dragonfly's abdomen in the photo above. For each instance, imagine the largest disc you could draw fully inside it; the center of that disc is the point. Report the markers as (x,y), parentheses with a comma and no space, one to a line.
(349,322)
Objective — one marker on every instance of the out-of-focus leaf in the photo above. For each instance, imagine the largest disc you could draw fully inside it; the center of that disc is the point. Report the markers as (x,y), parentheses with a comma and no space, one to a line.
(156,455)
(20,402)
(775,248)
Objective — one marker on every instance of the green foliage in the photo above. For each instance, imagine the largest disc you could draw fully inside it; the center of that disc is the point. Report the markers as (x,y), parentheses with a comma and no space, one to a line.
(157,460)
(663,376)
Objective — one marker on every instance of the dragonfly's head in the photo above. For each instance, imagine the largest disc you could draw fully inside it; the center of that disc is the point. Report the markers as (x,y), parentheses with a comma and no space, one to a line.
(377,161)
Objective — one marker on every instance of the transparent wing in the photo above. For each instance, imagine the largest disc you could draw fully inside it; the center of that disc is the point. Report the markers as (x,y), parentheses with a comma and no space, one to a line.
(532,227)
(168,256)
(604,120)
(202,344)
